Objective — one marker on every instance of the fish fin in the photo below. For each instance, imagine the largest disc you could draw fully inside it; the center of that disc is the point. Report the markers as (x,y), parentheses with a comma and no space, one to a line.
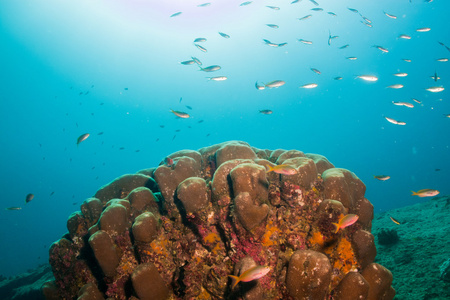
(414,193)
(270,169)
(235,280)
(337,227)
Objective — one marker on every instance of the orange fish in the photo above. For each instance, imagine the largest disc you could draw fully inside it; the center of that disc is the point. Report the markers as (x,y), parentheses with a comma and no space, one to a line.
(250,275)
(345,221)
(168,161)
(395,221)
(180,114)
(282,169)
(425,193)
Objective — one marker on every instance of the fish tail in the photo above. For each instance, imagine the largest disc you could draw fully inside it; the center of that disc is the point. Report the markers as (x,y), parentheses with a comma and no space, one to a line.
(337,227)
(270,169)
(235,280)
(414,193)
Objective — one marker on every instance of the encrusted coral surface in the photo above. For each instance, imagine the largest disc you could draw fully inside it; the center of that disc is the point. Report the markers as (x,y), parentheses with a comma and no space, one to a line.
(177,232)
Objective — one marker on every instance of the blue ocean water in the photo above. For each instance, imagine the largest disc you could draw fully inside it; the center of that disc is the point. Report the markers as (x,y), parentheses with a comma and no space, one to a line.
(113,67)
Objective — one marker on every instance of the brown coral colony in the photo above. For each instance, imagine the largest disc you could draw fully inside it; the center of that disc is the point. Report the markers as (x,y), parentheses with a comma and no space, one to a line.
(177,232)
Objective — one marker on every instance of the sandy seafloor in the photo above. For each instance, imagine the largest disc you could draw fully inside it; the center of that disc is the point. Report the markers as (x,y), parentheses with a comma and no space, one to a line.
(414,260)
(423,246)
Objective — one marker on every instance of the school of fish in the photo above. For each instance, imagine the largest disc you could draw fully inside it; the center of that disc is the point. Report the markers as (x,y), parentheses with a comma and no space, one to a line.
(200,43)
(259,85)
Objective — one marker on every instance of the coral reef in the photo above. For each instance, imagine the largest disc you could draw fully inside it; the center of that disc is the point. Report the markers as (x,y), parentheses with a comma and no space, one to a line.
(387,237)
(178,231)
(25,286)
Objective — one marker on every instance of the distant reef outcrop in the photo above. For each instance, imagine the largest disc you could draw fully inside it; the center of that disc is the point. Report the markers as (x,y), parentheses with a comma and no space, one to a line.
(26,286)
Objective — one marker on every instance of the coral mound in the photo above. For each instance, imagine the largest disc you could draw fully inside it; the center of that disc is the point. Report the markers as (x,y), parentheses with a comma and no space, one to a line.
(177,232)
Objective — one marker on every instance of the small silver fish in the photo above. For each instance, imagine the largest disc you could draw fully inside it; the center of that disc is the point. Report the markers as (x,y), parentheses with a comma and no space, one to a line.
(345,46)
(367,77)
(352,58)
(13,208)
(389,15)
(331,37)
(407,104)
(305,17)
(245,3)
(435,89)
(406,59)
(404,36)
(390,120)
(305,41)
(400,74)
(365,19)
(332,13)
(444,59)
(187,62)
(274,84)
(210,68)
(337,78)
(353,10)
(317,9)
(423,29)
(82,137)
(314,2)
(199,40)
(316,71)
(224,35)
(435,77)
(395,86)
(266,111)
(204,4)
(196,60)
(381,48)
(273,7)
(217,78)
(201,48)
(176,14)
(309,85)
(273,26)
